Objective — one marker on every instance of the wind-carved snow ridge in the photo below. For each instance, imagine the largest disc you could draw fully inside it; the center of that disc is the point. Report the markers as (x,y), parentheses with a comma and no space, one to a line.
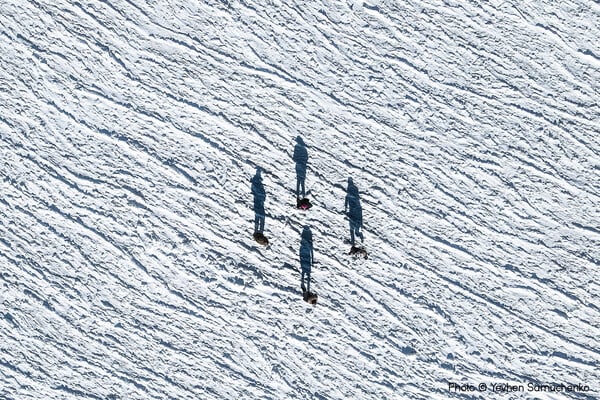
(129,135)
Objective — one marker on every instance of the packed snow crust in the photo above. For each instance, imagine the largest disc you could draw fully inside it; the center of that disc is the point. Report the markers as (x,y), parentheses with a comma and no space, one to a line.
(130,131)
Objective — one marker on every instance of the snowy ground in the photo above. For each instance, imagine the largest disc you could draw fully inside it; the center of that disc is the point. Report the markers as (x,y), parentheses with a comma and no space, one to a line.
(130,130)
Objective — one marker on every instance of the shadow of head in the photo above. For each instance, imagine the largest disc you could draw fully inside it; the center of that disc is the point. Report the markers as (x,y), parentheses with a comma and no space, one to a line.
(352,189)
(306,234)
(257,184)
(257,176)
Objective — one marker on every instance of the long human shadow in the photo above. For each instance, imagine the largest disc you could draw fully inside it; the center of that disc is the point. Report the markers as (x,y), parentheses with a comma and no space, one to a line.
(306,259)
(300,157)
(353,210)
(258,191)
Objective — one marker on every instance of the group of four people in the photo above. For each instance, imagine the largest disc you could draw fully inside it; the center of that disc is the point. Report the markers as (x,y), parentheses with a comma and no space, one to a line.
(352,209)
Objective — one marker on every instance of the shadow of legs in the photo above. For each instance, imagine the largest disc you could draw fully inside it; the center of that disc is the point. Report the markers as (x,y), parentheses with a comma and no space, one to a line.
(259,223)
(305,277)
(300,189)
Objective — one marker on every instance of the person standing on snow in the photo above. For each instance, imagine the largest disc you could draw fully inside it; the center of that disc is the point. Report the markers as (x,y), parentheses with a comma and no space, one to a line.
(353,210)
(300,157)
(306,263)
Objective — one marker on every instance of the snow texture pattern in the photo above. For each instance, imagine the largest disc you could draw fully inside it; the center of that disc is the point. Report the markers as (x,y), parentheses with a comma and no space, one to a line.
(130,131)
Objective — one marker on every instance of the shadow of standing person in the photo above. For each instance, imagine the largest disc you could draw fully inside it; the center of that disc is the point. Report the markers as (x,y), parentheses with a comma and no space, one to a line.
(258,191)
(300,157)
(306,263)
(353,210)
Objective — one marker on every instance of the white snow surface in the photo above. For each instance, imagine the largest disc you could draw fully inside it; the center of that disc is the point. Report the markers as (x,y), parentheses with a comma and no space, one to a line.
(130,130)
